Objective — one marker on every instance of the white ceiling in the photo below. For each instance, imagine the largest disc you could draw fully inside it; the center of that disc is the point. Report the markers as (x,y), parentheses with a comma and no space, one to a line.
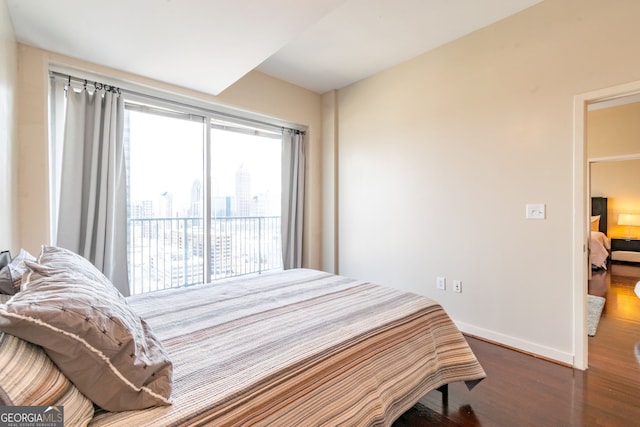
(208,45)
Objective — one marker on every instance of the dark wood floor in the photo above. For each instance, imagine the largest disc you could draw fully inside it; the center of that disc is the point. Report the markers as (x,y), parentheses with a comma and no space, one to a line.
(522,390)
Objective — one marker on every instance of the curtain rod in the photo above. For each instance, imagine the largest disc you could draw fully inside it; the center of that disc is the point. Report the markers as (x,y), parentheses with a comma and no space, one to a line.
(218,114)
(85,83)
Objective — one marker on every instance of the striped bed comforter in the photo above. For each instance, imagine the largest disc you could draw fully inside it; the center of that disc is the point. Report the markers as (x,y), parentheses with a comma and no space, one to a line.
(298,348)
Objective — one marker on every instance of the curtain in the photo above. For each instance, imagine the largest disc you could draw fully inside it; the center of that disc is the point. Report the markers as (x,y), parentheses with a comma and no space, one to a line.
(92,209)
(293,164)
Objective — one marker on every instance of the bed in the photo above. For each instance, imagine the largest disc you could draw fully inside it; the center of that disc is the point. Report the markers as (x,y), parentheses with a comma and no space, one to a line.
(599,242)
(297,347)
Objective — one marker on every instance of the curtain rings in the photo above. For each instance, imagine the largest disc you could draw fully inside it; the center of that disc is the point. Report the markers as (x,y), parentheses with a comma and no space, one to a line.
(97,86)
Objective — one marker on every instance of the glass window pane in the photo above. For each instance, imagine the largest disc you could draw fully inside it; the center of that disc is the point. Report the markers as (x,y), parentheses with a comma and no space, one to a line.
(245,203)
(165,201)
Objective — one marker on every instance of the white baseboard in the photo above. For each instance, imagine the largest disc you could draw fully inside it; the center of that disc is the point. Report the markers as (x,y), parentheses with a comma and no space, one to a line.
(517,343)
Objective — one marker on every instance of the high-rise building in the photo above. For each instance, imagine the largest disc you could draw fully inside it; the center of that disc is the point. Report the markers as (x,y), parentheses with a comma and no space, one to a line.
(166,205)
(195,210)
(243,192)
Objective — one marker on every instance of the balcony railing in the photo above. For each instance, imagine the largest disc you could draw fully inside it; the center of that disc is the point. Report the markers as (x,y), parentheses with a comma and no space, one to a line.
(170,252)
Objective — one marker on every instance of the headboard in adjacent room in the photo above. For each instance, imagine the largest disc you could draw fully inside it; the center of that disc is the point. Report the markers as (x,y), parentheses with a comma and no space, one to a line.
(599,207)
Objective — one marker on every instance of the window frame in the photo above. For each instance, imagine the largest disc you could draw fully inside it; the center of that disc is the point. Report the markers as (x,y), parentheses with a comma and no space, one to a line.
(209,122)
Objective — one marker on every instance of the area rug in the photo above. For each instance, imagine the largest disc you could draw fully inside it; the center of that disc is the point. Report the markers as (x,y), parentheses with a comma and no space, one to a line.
(595,305)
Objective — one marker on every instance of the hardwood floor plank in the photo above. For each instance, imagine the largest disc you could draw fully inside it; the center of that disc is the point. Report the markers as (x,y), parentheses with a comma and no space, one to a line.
(522,390)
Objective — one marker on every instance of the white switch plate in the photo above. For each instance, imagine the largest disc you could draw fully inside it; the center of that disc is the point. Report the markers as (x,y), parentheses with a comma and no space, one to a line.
(441,283)
(536,211)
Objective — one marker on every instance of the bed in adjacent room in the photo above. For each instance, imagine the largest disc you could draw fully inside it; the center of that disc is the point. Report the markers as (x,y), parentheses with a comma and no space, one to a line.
(298,347)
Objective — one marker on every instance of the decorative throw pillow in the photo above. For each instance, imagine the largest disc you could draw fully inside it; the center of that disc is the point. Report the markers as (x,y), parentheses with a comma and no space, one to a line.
(595,223)
(11,274)
(28,377)
(91,333)
(54,259)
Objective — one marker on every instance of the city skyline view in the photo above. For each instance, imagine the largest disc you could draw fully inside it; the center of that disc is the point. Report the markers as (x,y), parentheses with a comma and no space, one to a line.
(166,160)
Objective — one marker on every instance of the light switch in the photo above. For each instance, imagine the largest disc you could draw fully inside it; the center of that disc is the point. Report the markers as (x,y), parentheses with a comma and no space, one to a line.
(535,211)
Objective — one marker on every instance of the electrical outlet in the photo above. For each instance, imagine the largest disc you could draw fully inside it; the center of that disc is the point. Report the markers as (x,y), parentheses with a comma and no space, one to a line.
(457,286)
(441,283)
(535,211)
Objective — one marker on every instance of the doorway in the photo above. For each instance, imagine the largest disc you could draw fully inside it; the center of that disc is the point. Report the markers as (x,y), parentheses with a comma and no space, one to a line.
(581,204)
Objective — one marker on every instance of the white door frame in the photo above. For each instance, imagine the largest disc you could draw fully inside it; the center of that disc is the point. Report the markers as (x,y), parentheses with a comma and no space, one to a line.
(581,214)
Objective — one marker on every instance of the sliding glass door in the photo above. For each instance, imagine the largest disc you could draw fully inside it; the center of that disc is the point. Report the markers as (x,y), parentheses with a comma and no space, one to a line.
(183,168)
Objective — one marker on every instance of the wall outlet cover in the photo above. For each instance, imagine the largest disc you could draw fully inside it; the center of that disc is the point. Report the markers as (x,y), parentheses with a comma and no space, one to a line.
(535,211)
(457,286)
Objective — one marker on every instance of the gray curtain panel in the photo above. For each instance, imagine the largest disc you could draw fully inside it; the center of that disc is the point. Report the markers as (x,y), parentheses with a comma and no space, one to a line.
(92,210)
(293,170)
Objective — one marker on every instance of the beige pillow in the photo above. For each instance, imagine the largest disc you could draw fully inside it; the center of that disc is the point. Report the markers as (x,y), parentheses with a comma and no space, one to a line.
(29,378)
(89,330)
(595,223)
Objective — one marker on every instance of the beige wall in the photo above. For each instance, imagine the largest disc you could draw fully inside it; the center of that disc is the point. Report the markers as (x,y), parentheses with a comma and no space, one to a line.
(262,95)
(8,135)
(438,157)
(615,132)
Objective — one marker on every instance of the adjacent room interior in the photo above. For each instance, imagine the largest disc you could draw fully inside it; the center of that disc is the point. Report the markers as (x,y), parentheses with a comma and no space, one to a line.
(614,161)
